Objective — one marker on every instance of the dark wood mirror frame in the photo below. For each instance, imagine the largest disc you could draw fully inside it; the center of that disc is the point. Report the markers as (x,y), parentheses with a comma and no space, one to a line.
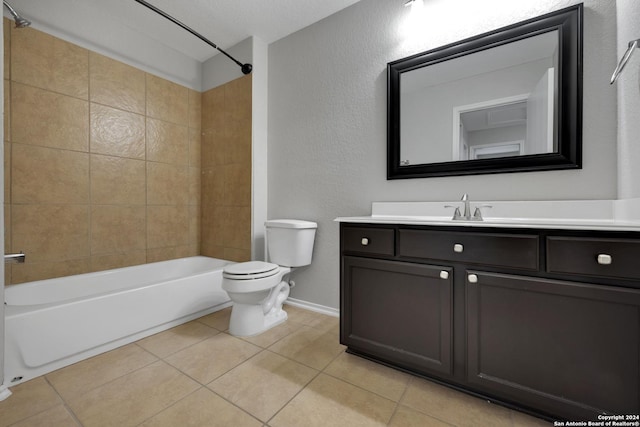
(568,22)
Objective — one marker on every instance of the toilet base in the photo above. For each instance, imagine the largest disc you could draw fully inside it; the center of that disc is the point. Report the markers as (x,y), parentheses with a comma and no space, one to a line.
(248,320)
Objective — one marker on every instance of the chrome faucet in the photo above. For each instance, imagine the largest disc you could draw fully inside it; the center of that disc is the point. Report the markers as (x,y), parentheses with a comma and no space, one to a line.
(466,214)
(467,208)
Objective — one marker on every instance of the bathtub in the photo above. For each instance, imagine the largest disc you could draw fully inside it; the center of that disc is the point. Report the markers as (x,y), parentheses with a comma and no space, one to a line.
(53,323)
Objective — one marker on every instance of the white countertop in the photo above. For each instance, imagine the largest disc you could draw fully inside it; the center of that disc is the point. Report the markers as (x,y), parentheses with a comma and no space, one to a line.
(607,215)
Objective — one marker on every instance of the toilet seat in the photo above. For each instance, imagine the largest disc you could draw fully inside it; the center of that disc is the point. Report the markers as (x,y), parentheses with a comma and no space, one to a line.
(250,270)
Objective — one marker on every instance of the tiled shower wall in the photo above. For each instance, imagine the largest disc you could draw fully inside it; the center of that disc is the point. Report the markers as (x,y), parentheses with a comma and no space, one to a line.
(226,171)
(102,163)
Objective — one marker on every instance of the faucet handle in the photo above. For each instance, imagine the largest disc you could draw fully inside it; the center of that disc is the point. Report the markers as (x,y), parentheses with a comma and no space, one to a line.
(456,213)
(477,215)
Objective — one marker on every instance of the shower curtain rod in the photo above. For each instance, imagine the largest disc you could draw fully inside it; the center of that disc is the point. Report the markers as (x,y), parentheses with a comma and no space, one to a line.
(246,68)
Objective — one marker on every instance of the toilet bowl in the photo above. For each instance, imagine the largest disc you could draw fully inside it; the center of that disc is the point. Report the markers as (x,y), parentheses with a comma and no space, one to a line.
(258,288)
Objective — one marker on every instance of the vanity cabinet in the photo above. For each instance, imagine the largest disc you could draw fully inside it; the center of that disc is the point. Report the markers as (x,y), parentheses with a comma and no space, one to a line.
(544,320)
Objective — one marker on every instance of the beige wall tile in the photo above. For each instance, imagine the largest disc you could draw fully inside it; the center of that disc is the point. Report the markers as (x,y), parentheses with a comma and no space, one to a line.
(236,232)
(237,97)
(208,248)
(212,184)
(213,110)
(116,84)
(167,184)
(41,60)
(237,255)
(115,180)
(195,186)
(45,175)
(44,118)
(118,229)
(6,29)
(29,271)
(7,110)
(50,232)
(116,132)
(7,229)
(167,142)
(167,101)
(238,148)
(237,185)
(195,109)
(213,151)
(195,148)
(194,226)
(213,221)
(167,226)
(108,262)
(7,172)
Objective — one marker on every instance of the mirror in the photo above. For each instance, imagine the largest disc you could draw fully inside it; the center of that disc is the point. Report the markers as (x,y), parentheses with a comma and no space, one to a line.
(505,101)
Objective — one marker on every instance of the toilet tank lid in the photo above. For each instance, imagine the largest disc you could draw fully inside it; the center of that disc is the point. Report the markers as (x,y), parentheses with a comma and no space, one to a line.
(290,223)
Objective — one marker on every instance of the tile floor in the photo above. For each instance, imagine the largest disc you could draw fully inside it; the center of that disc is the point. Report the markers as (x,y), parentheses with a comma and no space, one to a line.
(196,374)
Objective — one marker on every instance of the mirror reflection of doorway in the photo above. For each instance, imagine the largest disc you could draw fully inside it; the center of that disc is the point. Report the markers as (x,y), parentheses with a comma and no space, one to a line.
(513,126)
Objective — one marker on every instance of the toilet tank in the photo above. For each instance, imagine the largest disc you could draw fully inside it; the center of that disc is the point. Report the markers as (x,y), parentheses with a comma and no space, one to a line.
(290,241)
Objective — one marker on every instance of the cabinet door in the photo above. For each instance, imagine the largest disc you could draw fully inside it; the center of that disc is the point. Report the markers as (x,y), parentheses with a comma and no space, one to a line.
(570,349)
(398,312)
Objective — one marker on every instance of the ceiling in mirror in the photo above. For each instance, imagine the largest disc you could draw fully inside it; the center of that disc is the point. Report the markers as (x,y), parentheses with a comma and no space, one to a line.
(505,101)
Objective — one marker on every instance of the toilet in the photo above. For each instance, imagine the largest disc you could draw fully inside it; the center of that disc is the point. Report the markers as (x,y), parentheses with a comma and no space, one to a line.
(257,288)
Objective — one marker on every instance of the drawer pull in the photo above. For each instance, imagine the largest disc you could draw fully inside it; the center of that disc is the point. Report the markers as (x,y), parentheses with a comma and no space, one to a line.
(444,274)
(364,241)
(472,278)
(458,248)
(604,259)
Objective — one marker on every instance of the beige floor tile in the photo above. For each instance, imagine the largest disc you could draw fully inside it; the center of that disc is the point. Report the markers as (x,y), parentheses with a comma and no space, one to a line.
(212,357)
(452,406)
(523,420)
(81,377)
(274,334)
(300,315)
(407,417)
(371,376)
(175,339)
(218,320)
(58,416)
(263,384)
(132,399)
(328,401)
(310,347)
(202,409)
(28,399)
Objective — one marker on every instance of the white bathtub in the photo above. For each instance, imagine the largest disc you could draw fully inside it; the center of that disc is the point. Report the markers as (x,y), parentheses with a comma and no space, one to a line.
(53,323)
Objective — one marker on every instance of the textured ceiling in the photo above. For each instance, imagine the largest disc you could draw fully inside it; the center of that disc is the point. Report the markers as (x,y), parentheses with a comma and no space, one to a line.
(224,22)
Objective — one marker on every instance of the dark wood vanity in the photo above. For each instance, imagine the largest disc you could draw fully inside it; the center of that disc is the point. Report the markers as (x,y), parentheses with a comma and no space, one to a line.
(545,320)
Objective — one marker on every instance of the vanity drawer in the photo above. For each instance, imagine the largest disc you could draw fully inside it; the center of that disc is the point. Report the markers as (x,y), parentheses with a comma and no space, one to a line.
(508,250)
(368,240)
(617,258)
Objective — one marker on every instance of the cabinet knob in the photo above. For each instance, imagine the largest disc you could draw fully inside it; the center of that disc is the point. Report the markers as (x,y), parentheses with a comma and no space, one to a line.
(472,278)
(458,248)
(364,241)
(444,274)
(604,259)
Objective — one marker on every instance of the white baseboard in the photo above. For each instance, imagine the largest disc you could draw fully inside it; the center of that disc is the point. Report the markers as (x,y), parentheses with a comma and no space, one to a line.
(4,392)
(313,307)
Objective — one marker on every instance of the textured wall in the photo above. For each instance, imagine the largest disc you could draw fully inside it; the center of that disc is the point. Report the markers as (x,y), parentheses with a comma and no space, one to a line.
(327,118)
(628,86)
(102,161)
